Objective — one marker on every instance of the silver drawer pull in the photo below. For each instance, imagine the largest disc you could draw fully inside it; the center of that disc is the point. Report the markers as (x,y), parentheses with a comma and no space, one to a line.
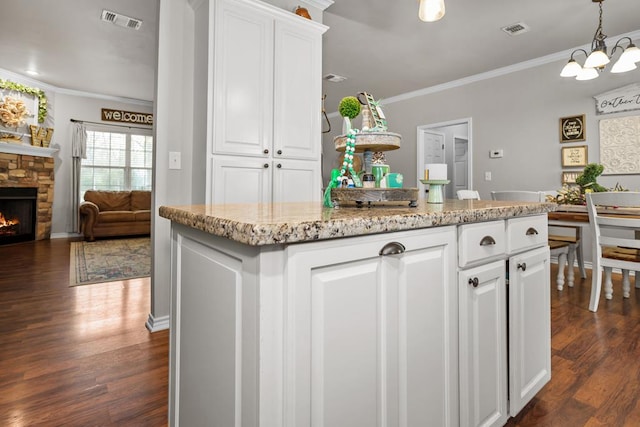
(392,248)
(523,266)
(487,240)
(531,231)
(474,282)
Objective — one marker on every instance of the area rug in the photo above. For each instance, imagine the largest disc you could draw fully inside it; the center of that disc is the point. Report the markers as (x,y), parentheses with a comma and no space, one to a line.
(109,260)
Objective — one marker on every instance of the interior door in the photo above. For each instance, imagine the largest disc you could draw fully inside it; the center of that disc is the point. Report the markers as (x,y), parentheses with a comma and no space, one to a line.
(432,152)
(460,164)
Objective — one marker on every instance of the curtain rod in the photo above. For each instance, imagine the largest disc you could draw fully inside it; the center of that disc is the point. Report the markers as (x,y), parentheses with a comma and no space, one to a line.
(109,124)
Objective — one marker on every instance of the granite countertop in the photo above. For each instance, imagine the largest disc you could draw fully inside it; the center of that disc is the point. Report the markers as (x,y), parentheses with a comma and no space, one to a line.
(277,223)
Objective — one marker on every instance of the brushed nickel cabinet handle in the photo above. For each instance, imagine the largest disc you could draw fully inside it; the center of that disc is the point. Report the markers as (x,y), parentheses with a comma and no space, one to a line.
(279,151)
(487,241)
(523,266)
(266,165)
(266,151)
(531,231)
(474,282)
(392,248)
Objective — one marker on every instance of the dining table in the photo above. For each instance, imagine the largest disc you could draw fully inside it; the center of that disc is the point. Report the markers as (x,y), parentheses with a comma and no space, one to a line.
(577,216)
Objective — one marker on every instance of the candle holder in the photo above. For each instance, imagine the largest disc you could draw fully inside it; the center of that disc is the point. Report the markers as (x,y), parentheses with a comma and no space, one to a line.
(436,194)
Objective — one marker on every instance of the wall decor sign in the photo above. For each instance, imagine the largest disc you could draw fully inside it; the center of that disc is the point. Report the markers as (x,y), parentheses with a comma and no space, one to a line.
(574,156)
(572,129)
(626,98)
(569,177)
(109,115)
(620,145)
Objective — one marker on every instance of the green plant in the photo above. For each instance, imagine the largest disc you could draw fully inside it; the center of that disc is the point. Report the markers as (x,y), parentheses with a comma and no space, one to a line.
(587,179)
(349,107)
(42,99)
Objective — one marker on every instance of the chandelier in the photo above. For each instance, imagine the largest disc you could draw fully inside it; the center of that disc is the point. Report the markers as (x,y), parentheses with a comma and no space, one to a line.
(598,58)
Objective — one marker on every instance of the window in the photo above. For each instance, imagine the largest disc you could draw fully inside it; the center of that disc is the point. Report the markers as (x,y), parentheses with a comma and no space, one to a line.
(119,160)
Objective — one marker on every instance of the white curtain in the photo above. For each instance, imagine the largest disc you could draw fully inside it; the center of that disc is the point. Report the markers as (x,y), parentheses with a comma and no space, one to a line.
(78,152)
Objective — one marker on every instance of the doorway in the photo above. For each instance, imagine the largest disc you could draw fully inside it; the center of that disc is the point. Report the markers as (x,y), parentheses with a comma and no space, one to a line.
(454,140)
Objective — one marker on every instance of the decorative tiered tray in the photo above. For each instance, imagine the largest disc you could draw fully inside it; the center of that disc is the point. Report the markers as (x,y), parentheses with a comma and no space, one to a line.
(374,141)
(360,196)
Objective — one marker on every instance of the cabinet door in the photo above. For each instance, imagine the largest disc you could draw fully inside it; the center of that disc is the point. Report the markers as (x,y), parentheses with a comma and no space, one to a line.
(240,180)
(242,77)
(296,181)
(483,346)
(529,326)
(370,339)
(297,91)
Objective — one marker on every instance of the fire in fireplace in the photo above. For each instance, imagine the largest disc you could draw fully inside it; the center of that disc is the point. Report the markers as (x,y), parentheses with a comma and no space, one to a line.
(17,214)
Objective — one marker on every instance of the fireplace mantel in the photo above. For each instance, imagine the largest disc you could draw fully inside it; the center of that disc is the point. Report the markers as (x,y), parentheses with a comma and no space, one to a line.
(25,149)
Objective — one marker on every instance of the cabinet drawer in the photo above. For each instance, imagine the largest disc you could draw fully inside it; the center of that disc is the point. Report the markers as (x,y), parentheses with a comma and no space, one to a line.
(481,241)
(526,233)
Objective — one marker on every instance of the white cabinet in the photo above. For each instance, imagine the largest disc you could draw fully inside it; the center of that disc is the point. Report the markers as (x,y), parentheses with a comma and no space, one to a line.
(529,326)
(483,346)
(500,313)
(372,338)
(265,97)
(252,180)
(326,333)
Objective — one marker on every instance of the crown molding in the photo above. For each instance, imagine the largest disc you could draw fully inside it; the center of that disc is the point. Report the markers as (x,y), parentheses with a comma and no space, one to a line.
(318,4)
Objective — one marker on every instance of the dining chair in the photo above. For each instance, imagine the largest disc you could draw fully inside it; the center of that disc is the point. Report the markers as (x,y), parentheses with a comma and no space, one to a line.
(609,249)
(468,195)
(564,248)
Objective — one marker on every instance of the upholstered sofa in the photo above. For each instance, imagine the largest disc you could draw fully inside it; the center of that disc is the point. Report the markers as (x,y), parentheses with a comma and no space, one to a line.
(115,213)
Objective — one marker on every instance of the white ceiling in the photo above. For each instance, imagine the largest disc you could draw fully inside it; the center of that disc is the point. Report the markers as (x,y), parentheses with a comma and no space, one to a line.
(380,45)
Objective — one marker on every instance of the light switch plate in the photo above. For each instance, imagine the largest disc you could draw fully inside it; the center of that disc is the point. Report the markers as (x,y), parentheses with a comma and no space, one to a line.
(174,160)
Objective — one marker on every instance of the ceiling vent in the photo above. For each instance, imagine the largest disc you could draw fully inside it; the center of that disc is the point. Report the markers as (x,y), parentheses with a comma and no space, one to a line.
(121,20)
(515,29)
(334,78)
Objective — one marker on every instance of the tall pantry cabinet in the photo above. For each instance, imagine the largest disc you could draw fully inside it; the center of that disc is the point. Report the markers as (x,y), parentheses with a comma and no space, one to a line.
(264,136)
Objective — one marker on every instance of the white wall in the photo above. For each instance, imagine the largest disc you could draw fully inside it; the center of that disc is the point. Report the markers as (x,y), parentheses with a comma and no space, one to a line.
(517,112)
(173,132)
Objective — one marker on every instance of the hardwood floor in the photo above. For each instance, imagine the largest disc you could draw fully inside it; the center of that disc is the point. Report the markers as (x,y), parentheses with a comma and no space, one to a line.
(595,361)
(76,356)
(81,356)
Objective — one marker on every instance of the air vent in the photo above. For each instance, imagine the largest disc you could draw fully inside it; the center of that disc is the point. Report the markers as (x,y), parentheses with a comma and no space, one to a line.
(121,20)
(515,29)
(334,78)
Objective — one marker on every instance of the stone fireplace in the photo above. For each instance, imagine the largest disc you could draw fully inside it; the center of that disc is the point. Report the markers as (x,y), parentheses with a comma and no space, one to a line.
(24,167)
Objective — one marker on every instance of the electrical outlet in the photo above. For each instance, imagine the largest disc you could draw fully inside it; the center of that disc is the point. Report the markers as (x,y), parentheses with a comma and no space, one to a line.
(487,176)
(496,154)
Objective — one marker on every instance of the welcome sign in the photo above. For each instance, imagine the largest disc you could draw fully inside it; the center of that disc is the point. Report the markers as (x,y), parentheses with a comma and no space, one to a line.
(109,115)
(626,98)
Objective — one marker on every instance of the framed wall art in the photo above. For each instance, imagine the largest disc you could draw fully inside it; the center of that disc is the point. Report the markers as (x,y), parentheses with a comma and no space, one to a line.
(572,129)
(569,177)
(574,156)
(620,145)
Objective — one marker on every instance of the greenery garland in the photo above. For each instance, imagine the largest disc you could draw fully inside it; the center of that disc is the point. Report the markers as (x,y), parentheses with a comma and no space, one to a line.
(42,98)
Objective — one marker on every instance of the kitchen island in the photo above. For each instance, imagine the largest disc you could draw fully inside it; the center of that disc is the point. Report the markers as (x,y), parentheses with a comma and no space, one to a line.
(297,315)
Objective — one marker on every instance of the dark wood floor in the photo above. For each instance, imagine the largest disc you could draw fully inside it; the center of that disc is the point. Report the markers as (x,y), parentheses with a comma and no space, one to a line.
(76,356)
(81,356)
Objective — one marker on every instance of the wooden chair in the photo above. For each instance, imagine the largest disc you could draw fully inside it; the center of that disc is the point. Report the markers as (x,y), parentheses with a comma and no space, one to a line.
(468,195)
(564,247)
(609,249)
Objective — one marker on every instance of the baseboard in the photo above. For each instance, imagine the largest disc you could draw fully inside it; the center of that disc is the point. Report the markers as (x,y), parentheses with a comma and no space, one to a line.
(64,235)
(155,324)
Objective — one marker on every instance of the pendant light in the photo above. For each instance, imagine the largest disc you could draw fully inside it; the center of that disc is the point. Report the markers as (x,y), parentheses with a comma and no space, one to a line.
(431,10)
(598,58)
